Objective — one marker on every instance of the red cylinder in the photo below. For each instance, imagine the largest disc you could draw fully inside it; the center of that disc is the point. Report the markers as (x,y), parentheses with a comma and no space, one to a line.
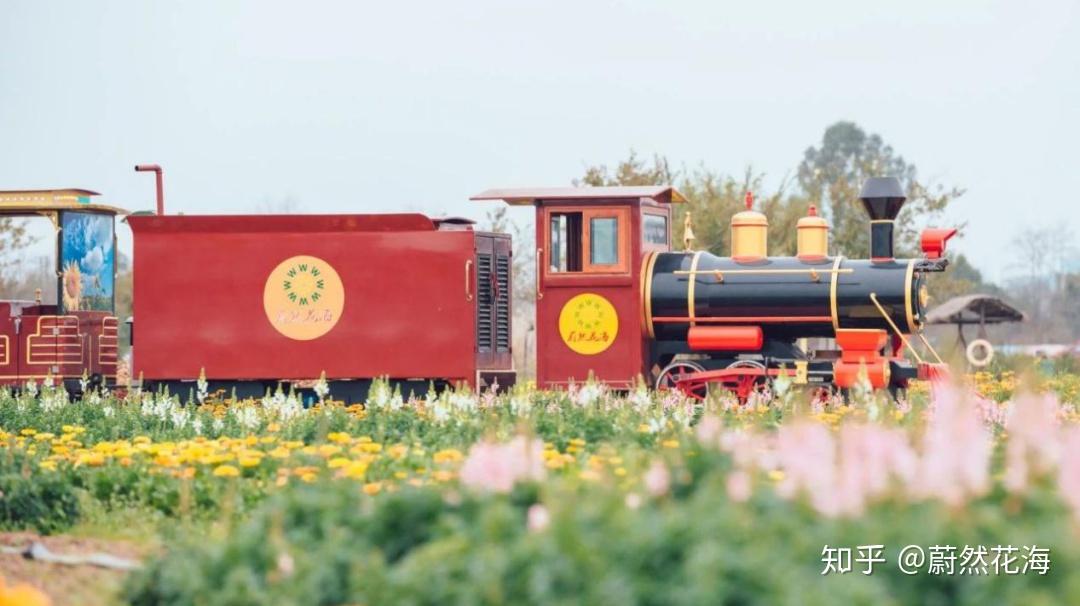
(725,338)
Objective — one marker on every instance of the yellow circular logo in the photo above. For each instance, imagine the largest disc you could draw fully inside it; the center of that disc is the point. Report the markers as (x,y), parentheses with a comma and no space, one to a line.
(588,324)
(303,298)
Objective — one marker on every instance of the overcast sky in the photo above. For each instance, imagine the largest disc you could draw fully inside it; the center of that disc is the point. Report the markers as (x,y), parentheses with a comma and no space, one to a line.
(372,107)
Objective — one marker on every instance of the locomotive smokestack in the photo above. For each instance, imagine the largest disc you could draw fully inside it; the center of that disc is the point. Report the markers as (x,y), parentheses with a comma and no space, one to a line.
(883,197)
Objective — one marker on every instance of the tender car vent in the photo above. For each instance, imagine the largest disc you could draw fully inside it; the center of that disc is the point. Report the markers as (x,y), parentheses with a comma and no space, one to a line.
(502,305)
(484,303)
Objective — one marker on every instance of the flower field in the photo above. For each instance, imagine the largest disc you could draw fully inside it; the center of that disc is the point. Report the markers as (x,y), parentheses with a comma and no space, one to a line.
(583,496)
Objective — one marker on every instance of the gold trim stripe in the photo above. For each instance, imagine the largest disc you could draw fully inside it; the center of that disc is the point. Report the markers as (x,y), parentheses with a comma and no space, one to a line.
(7,350)
(108,353)
(59,323)
(646,291)
(833,311)
(909,311)
(690,288)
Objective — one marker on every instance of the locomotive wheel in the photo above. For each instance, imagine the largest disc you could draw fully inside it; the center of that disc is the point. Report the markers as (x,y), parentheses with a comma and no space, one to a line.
(748,384)
(666,380)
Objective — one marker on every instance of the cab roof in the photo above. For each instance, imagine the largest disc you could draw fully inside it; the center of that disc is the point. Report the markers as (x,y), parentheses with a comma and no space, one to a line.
(530,195)
(21,201)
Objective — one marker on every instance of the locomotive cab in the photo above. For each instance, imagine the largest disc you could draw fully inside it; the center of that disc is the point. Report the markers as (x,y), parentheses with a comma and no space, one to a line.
(591,245)
(67,329)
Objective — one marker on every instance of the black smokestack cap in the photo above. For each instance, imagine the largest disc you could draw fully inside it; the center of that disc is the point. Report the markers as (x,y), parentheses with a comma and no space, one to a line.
(883,197)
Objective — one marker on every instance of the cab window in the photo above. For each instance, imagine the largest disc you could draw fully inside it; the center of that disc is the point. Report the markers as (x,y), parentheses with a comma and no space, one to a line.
(604,241)
(588,241)
(654,230)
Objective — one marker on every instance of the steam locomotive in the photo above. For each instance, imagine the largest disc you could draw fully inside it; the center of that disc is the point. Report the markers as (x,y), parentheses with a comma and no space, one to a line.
(248,302)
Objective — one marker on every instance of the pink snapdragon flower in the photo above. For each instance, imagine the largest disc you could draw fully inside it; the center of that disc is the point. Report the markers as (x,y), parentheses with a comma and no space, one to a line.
(491,467)
(955,457)
(1069,470)
(1034,443)
(657,479)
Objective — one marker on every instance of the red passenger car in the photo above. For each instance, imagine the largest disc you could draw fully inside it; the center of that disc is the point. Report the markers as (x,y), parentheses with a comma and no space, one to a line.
(68,330)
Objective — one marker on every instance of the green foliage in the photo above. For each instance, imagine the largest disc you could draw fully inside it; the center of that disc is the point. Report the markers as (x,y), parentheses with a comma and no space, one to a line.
(829,176)
(47,502)
(328,544)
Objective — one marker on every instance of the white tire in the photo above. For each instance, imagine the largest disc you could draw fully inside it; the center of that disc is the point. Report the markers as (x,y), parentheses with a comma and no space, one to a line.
(979,353)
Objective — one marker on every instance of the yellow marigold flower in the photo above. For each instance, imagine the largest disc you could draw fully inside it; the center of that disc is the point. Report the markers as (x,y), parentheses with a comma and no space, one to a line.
(141,440)
(273,427)
(372,488)
(443,476)
(620,471)
(328,450)
(125,462)
(308,477)
(186,473)
(371,447)
(28,432)
(555,463)
(398,451)
(776,475)
(249,461)
(449,455)
(337,462)
(226,471)
(355,470)
(309,450)
(22,595)
(643,428)
(577,441)
(280,453)
(363,439)
(338,437)
(44,436)
(670,443)
(91,459)
(401,475)
(48,465)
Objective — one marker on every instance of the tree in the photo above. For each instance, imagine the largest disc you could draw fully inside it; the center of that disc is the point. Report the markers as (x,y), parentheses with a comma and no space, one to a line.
(712,199)
(832,174)
(13,239)
(961,278)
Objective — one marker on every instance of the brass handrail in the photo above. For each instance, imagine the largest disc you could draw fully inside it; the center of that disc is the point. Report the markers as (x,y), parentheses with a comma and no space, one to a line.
(930,347)
(885,314)
(539,271)
(468,280)
(815,274)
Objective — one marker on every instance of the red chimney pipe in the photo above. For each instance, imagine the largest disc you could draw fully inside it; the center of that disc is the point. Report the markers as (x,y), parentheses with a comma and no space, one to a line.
(160,187)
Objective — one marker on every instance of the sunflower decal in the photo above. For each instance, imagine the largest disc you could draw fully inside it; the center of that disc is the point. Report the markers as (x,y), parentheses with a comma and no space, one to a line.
(303,297)
(588,324)
(303,284)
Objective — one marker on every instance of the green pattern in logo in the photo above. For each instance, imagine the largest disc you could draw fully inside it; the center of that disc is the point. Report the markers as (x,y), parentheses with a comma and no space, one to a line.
(303,284)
